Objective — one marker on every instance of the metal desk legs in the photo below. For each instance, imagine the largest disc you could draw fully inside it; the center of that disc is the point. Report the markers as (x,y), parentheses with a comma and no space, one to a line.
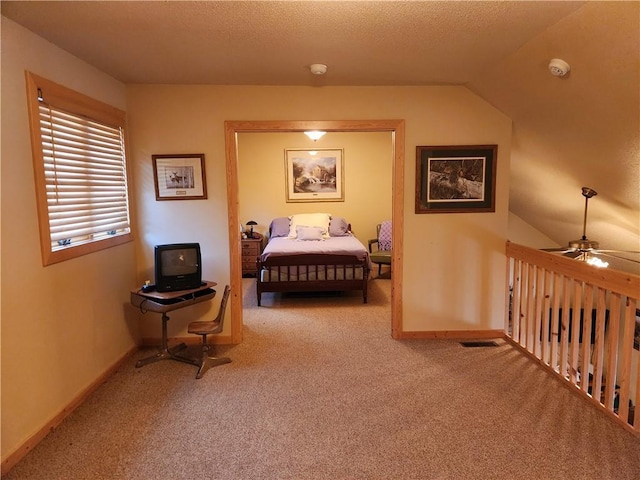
(165,352)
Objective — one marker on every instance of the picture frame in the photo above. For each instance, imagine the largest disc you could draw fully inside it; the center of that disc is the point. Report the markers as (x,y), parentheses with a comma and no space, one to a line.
(314,175)
(455,178)
(179,176)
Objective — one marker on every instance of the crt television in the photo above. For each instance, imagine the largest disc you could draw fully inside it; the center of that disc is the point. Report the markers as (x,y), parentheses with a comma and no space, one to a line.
(178,266)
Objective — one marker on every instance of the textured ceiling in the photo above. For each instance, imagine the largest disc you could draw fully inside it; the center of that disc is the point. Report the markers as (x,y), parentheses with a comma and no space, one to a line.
(580,130)
(273,43)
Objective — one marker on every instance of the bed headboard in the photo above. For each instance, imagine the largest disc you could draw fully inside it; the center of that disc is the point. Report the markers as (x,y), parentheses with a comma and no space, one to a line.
(338,226)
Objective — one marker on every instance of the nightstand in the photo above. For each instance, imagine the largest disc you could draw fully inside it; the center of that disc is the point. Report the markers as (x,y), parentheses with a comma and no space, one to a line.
(251,248)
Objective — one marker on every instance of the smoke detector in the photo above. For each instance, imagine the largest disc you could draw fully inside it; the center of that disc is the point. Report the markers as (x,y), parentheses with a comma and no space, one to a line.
(559,68)
(318,69)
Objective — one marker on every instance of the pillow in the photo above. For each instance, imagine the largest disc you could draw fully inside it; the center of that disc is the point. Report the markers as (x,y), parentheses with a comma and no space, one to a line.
(309,220)
(309,233)
(279,227)
(338,227)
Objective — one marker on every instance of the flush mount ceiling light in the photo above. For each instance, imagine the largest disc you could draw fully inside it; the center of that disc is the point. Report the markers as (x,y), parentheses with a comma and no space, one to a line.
(314,134)
(558,68)
(318,69)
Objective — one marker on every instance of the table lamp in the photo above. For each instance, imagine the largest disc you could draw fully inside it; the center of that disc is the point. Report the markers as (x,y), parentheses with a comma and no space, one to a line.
(251,223)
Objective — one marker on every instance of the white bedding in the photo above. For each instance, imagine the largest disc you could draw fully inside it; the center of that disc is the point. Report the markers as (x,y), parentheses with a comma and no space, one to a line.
(347,245)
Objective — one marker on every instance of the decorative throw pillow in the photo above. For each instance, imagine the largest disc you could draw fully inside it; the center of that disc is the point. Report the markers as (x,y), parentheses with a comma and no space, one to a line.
(309,233)
(309,220)
(384,237)
(279,227)
(338,227)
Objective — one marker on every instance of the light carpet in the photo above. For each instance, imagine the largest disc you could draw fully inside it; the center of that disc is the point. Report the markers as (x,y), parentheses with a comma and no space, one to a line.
(320,390)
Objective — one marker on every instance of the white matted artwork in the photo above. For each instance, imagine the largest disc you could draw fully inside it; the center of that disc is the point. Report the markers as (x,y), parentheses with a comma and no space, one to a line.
(314,175)
(179,176)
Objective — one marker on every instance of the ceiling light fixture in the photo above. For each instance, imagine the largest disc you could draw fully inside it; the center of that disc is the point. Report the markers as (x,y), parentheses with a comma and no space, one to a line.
(559,68)
(314,134)
(597,262)
(318,69)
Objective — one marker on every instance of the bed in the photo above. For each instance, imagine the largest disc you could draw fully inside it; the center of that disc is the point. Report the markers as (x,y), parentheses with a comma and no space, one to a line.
(312,253)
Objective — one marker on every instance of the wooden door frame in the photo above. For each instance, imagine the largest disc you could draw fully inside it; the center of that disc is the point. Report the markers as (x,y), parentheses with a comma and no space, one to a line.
(231,131)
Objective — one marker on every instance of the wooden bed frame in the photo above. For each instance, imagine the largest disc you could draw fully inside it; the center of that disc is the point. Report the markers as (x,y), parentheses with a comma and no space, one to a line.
(281,266)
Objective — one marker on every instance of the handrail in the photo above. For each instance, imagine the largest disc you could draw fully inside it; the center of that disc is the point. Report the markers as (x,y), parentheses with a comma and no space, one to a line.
(546,292)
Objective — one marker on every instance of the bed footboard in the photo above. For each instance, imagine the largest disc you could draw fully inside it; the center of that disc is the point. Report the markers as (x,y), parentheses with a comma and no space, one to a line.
(312,273)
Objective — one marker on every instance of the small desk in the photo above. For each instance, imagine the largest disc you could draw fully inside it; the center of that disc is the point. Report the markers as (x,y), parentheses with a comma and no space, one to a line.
(163,302)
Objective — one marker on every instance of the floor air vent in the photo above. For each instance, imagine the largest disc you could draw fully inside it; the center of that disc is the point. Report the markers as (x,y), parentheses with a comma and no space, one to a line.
(479,344)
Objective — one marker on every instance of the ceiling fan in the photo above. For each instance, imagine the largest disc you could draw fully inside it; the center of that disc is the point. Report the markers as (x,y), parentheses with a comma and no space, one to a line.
(585,249)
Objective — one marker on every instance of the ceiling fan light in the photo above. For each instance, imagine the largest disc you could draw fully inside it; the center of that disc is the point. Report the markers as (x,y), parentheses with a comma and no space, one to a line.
(596,262)
(583,249)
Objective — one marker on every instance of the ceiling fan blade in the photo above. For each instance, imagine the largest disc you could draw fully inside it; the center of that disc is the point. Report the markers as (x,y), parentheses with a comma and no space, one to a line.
(558,249)
(575,254)
(619,251)
(606,253)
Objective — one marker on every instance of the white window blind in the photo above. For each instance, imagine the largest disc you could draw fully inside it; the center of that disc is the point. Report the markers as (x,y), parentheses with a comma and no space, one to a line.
(85,177)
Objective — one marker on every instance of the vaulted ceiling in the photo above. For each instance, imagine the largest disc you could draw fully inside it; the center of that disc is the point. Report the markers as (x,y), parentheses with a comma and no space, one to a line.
(582,129)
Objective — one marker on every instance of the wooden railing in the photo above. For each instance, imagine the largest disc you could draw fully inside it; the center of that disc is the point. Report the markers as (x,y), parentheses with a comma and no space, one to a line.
(596,354)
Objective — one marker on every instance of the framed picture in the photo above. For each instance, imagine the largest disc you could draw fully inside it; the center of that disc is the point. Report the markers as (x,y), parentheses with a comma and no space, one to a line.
(179,177)
(314,175)
(456,179)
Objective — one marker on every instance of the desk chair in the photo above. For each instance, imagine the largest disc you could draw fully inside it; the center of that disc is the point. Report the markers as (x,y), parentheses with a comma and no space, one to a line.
(382,254)
(208,328)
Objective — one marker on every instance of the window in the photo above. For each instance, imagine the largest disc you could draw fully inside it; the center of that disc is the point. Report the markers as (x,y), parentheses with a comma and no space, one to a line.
(80,169)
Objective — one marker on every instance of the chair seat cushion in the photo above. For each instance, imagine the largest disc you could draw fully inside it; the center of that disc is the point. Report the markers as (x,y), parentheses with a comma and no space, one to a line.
(381,256)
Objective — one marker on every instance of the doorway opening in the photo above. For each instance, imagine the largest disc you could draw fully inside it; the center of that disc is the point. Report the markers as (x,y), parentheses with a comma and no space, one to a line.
(233,128)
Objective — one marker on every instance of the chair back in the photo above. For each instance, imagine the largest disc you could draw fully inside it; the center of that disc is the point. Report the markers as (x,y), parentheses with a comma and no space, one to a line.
(223,306)
(384,236)
(223,303)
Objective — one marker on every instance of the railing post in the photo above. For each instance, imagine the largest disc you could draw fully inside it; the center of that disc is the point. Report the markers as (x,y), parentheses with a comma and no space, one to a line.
(595,351)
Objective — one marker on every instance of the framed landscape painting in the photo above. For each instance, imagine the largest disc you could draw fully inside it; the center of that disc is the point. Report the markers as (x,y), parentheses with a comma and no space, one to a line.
(314,175)
(456,179)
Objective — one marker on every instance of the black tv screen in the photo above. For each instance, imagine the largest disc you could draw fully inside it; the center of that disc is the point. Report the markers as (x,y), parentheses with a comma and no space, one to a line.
(178,266)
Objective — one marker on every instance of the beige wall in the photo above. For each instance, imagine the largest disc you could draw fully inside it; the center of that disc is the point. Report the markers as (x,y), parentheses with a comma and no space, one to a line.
(65,324)
(454,264)
(524,234)
(367,158)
